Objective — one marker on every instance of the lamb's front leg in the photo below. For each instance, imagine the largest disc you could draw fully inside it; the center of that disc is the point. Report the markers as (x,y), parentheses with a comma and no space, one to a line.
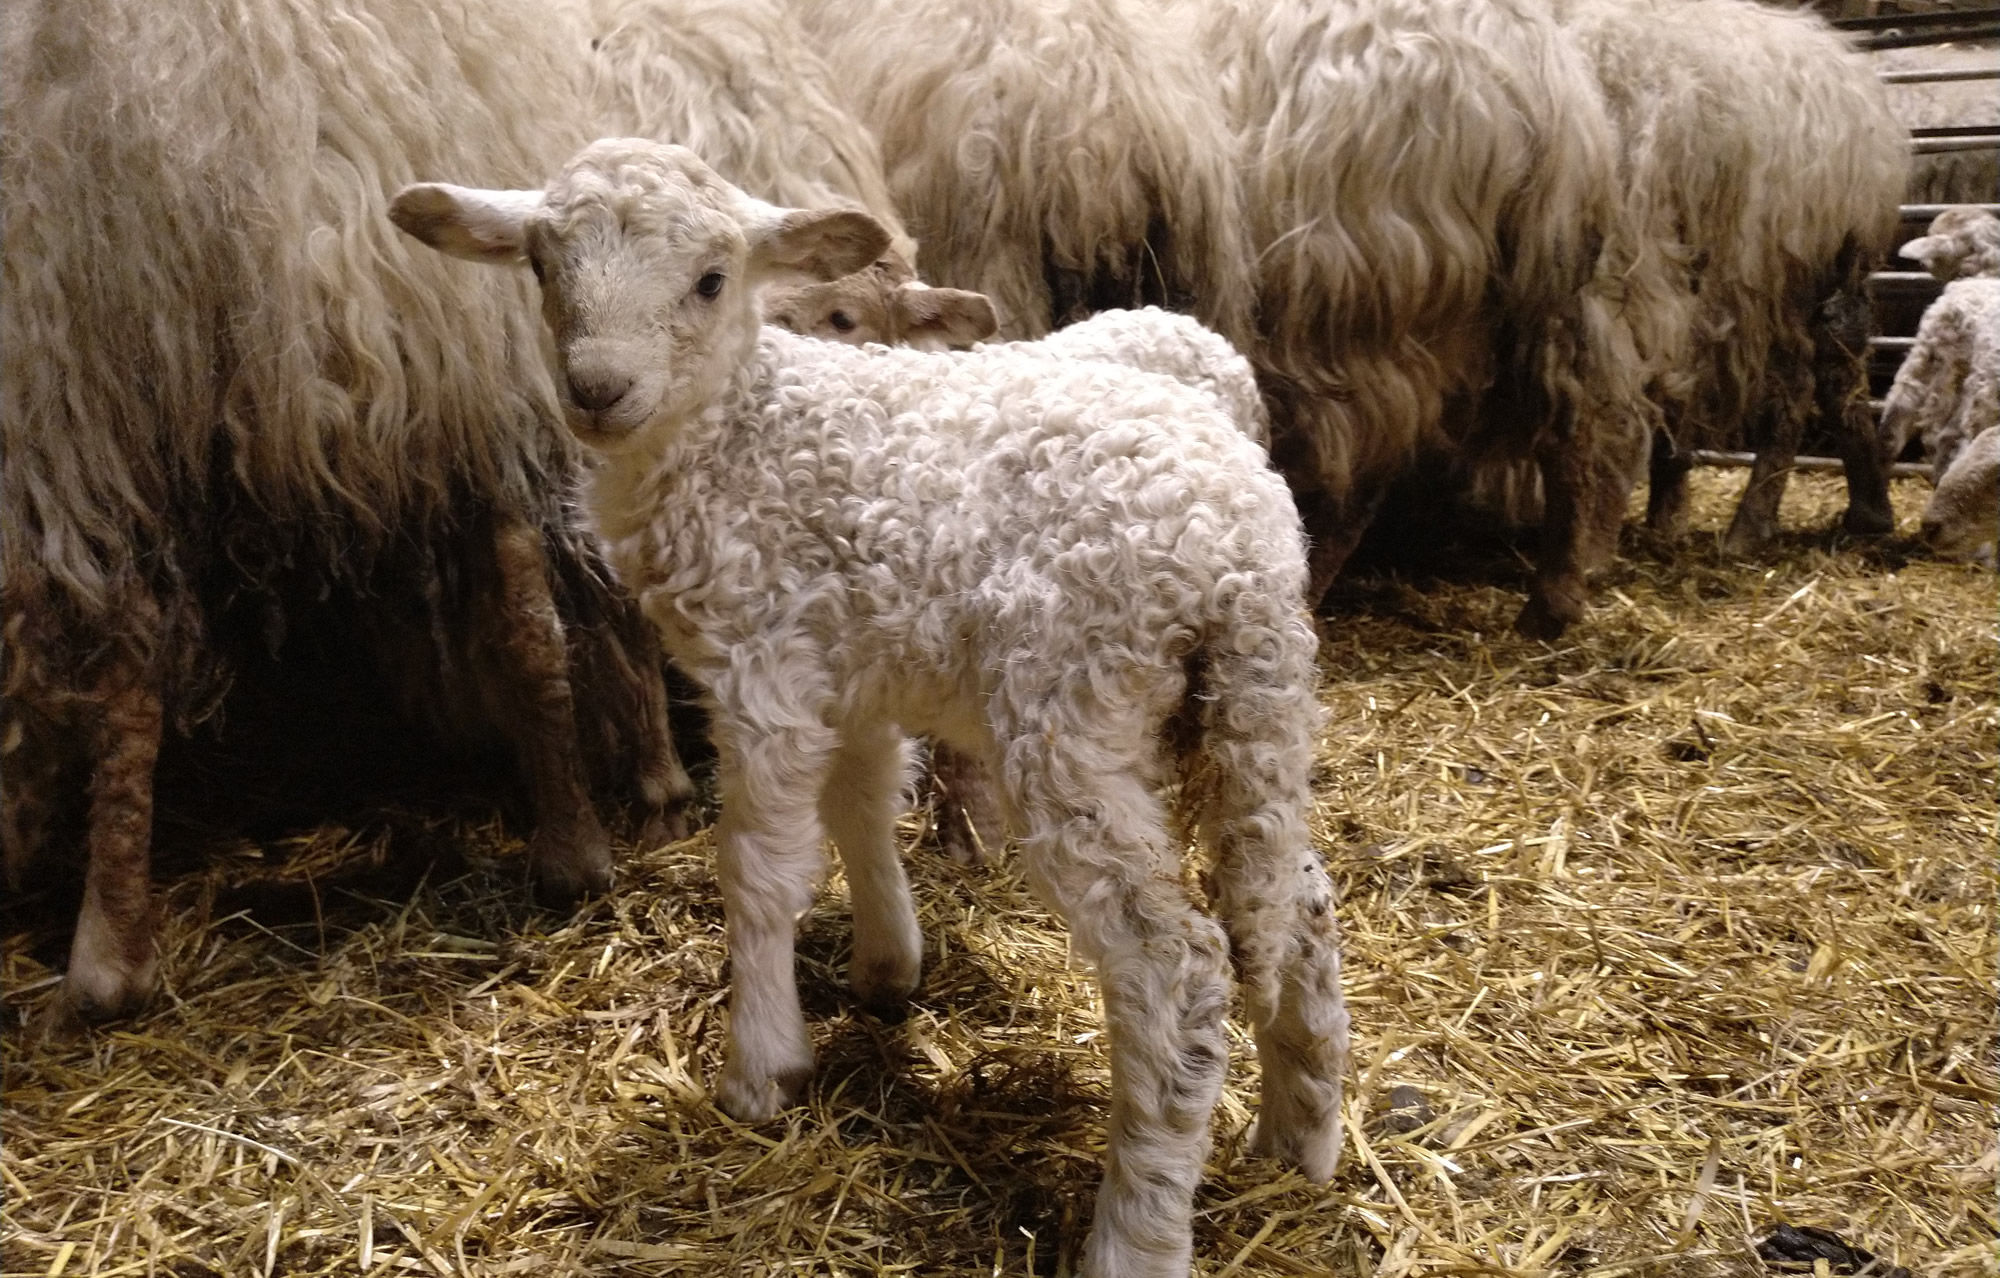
(863,791)
(769,859)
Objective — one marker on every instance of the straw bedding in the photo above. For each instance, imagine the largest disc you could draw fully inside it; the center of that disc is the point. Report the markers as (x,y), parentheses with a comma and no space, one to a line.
(1653,940)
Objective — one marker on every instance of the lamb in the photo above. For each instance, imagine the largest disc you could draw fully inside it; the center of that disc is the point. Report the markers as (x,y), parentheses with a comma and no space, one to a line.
(1960,244)
(1948,388)
(1962,519)
(869,307)
(1047,564)
(1428,187)
(887,304)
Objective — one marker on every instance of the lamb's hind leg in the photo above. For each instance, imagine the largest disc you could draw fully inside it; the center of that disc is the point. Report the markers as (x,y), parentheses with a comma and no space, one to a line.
(1272,891)
(1096,849)
(769,858)
(859,804)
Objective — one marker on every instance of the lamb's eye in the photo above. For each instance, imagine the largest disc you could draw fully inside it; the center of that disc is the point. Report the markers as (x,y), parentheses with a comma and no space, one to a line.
(709,285)
(842,322)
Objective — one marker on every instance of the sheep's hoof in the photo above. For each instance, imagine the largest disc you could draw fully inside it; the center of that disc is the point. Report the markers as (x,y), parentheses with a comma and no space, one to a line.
(107,990)
(570,870)
(1544,619)
(1862,521)
(1746,537)
(660,825)
(753,1096)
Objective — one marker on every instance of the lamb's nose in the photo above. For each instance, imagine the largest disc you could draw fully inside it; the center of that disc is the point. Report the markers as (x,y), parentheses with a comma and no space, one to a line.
(594,391)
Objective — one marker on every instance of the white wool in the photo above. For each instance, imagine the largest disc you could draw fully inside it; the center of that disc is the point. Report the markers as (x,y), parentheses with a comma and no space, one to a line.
(1963,517)
(1081,574)
(1172,345)
(1948,388)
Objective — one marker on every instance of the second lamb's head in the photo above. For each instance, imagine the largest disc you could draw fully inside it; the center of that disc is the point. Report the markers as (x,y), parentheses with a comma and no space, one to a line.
(649,265)
(1961,242)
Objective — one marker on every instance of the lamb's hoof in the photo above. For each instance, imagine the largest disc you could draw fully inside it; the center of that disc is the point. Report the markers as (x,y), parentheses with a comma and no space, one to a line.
(1312,1148)
(884,985)
(570,870)
(1860,522)
(750,1096)
(1544,619)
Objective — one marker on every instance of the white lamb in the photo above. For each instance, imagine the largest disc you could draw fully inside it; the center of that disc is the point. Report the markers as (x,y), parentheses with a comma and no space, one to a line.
(1948,388)
(1962,520)
(883,304)
(1082,575)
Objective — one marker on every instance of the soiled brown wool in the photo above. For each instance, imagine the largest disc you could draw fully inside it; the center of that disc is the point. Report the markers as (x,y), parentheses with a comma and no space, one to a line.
(219,387)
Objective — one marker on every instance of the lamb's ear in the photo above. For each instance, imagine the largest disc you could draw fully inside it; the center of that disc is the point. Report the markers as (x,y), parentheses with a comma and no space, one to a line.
(949,315)
(481,226)
(1926,249)
(824,244)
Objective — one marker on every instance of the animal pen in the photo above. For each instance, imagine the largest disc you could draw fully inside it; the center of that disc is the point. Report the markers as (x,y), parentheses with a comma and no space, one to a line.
(1670,948)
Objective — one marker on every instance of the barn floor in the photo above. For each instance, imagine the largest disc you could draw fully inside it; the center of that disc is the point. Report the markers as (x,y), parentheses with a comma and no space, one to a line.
(1655,939)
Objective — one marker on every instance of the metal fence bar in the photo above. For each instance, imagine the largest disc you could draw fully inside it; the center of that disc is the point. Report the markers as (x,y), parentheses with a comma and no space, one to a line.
(1911,212)
(1941,75)
(1970,35)
(1892,343)
(1897,470)
(1965,142)
(1941,18)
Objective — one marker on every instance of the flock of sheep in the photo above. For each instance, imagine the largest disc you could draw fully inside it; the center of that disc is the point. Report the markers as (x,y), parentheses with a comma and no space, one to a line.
(1539,244)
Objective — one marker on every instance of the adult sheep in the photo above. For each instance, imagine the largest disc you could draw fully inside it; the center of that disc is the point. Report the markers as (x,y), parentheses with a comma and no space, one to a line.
(1079,568)
(1429,189)
(1773,207)
(1060,156)
(225,393)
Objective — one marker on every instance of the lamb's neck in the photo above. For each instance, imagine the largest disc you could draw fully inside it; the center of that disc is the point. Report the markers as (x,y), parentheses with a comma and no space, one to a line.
(627,484)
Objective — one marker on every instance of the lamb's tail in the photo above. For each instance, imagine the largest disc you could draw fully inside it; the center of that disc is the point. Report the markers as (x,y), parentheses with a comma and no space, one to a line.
(1256,716)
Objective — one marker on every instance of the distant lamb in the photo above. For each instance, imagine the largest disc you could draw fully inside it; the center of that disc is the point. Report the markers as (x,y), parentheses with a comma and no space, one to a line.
(1082,571)
(1948,388)
(1962,520)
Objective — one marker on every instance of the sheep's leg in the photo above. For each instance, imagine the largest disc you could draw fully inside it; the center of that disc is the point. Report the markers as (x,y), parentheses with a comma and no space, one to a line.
(1841,390)
(969,825)
(1667,487)
(1788,395)
(1584,504)
(568,852)
(1096,849)
(1334,527)
(114,959)
(769,860)
(31,775)
(859,805)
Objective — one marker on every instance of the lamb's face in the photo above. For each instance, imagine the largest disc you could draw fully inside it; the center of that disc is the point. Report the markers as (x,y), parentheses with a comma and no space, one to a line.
(1961,242)
(1962,520)
(881,305)
(649,265)
(645,281)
